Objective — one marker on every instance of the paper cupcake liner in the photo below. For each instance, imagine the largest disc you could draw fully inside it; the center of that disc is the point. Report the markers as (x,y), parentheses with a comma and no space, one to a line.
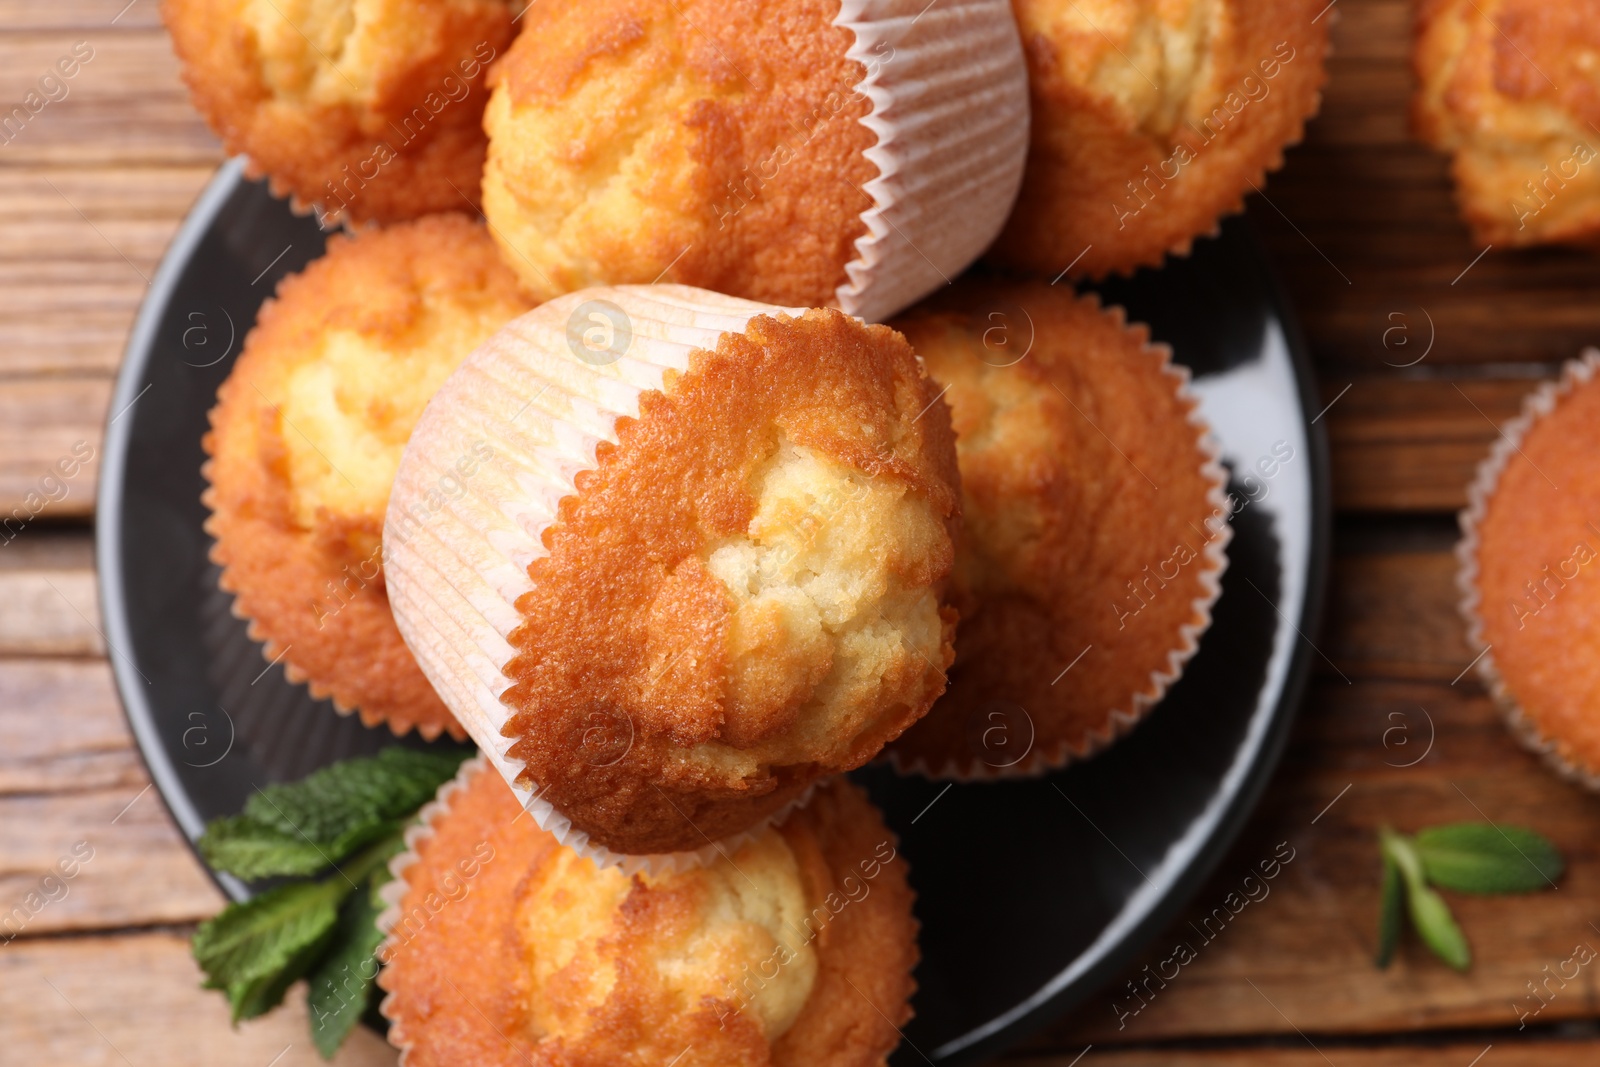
(481,532)
(1119,721)
(949,90)
(1535,406)
(273,651)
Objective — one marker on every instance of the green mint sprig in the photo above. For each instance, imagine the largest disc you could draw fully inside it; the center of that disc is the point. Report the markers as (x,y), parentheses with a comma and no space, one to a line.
(1466,857)
(343,822)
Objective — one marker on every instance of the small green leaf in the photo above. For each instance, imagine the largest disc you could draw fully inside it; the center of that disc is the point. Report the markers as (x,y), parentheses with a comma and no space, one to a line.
(243,847)
(1438,927)
(1474,857)
(256,949)
(1390,912)
(345,805)
(341,986)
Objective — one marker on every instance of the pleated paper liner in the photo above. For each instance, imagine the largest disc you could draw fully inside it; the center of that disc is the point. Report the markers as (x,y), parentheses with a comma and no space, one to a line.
(949,92)
(456,567)
(1575,374)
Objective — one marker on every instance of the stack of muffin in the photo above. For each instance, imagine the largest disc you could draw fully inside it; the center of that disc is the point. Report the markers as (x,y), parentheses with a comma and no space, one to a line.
(631,484)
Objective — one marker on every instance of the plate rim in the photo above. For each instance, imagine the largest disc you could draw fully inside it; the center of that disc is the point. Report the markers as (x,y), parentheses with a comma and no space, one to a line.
(111,576)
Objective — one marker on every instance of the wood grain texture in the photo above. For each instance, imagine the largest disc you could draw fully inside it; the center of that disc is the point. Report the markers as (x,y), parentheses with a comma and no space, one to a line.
(1372,228)
(72,784)
(1300,958)
(135,1000)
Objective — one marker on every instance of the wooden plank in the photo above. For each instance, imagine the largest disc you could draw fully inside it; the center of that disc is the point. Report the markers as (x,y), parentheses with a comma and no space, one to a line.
(72,784)
(43,424)
(124,106)
(115,1002)
(1363,193)
(81,246)
(1413,751)
(64,731)
(50,612)
(1411,443)
(76,16)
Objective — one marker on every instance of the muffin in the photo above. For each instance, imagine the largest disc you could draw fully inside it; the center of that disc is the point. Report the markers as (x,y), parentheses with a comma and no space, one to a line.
(799,152)
(1094,526)
(1528,555)
(504,947)
(701,564)
(1510,90)
(305,439)
(1151,121)
(371,111)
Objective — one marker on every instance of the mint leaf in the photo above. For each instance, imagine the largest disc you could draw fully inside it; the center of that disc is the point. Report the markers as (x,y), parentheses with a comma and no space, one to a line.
(1474,857)
(347,804)
(1438,927)
(256,949)
(249,850)
(341,985)
(1390,913)
(1429,912)
(300,828)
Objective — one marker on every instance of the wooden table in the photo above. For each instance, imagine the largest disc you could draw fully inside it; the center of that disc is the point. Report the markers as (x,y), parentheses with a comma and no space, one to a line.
(1363,229)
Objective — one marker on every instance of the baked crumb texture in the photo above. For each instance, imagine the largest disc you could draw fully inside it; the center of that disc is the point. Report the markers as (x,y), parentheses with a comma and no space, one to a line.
(305,439)
(1094,527)
(1530,571)
(1152,119)
(800,152)
(689,577)
(505,948)
(1511,89)
(368,109)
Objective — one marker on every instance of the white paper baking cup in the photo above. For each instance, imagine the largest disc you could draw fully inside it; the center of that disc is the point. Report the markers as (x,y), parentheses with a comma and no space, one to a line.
(1120,720)
(1535,406)
(949,93)
(543,393)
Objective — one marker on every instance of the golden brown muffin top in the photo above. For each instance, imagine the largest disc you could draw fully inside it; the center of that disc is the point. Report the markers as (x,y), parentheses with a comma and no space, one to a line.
(508,949)
(1151,120)
(1512,88)
(1089,524)
(745,594)
(370,108)
(708,142)
(306,436)
(1538,577)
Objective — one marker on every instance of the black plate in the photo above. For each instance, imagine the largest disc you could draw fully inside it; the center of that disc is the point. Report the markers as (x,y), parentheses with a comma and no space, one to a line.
(1031,894)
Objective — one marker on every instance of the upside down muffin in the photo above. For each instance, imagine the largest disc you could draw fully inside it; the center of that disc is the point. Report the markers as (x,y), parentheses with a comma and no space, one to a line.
(1511,89)
(370,109)
(795,950)
(1152,120)
(701,568)
(1093,523)
(1530,571)
(738,146)
(305,438)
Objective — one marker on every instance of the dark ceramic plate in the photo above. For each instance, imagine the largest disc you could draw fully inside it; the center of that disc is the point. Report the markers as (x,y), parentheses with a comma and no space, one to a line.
(1030,894)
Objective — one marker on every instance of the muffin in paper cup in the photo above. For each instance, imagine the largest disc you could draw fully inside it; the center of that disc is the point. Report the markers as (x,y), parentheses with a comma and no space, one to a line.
(1529,572)
(504,947)
(1094,531)
(671,557)
(305,438)
(853,154)
(1152,120)
(362,113)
